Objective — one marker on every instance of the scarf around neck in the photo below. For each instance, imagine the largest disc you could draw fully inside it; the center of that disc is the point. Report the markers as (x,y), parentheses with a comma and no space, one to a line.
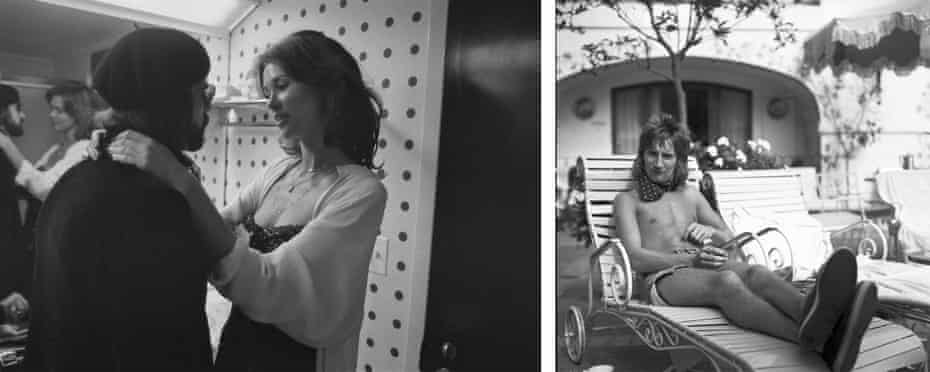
(651,191)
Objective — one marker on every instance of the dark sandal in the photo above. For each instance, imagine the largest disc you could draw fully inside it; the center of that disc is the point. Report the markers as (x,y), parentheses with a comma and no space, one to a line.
(828,300)
(842,348)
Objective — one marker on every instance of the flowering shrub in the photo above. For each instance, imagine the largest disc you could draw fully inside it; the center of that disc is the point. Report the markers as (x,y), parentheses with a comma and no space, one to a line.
(754,154)
(572,214)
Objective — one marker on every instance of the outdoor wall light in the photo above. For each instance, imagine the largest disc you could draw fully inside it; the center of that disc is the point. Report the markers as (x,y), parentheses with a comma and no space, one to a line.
(778,107)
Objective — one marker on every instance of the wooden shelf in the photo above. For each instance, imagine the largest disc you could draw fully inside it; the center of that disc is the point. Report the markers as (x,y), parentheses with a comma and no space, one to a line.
(243,109)
(248,104)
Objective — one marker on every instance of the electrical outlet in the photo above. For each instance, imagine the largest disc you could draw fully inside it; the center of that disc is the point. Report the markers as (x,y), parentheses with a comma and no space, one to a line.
(379,257)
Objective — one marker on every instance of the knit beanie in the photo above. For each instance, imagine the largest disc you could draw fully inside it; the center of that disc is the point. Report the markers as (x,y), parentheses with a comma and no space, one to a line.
(151,71)
(8,96)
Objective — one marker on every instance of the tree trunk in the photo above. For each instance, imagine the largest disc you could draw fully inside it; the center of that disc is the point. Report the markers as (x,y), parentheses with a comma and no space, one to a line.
(679,93)
(847,176)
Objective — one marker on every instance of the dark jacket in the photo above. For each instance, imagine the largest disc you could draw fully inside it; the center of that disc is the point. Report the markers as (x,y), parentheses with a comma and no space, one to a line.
(120,280)
(14,264)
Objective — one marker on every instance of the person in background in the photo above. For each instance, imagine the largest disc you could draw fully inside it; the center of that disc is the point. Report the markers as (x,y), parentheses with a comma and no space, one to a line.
(297,282)
(14,274)
(121,273)
(73,106)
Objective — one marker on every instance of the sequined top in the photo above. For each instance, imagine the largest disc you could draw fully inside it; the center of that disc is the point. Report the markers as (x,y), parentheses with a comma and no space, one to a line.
(266,239)
(312,286)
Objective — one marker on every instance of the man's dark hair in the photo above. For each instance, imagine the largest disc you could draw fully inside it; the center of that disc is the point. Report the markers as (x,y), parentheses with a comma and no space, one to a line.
(659,129)
(353,110)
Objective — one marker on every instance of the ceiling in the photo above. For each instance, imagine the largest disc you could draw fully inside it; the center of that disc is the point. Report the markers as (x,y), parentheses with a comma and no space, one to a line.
(36,29)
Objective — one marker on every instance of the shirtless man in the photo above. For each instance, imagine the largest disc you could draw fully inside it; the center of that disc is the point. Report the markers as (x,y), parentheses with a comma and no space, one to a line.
(678,242)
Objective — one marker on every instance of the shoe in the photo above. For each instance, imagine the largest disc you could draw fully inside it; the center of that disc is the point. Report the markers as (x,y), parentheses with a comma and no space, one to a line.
(842,348)
(828,300)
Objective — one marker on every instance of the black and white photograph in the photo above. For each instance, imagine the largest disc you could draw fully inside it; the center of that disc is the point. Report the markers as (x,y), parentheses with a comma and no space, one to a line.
(366,185)
(271,185)
(742,185)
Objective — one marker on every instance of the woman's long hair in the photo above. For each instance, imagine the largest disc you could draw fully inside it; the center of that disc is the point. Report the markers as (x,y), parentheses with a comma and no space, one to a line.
(80,103)
(353,110)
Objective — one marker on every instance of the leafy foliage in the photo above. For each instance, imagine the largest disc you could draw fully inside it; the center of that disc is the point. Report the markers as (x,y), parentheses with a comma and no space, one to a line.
(851,104)
(753,154)
(670,27)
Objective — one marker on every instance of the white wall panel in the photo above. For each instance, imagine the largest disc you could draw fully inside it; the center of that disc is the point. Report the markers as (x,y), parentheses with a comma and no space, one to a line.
(400,47)
(251,149)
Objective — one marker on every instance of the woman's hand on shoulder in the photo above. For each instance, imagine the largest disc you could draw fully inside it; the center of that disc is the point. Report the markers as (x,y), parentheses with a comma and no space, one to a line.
(134,148)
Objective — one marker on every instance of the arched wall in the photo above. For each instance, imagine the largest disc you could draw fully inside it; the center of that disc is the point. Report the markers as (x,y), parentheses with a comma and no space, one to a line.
(794,135)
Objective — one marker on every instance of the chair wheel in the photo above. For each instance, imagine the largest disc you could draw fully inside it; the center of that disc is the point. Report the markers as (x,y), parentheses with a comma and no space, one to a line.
(574,334)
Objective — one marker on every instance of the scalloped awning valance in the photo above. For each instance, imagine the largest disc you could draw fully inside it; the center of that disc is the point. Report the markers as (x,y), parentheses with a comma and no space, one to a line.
(892,34)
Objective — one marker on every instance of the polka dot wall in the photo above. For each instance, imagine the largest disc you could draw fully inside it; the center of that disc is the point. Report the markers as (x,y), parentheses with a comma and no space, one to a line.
(399,45)
(212,156)
(250,151)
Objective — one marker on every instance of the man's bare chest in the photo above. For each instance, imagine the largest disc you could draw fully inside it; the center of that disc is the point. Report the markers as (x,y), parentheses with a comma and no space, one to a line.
(672,211)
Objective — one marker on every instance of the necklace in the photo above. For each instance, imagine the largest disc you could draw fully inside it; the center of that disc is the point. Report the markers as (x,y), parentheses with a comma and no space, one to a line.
(308,175)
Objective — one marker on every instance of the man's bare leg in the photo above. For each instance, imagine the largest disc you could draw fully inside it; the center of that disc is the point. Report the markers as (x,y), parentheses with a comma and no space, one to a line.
(726,291)
(766,284)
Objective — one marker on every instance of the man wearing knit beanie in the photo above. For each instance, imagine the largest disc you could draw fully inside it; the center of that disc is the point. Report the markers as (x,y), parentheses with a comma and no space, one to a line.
(120,274)
(147,78)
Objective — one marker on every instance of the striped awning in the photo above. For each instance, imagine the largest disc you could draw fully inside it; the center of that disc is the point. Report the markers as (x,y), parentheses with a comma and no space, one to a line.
(891,34)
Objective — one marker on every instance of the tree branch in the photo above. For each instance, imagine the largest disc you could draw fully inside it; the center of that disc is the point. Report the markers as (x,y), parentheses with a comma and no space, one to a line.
(626,19)
(655,28)
(693,33)
(677,29)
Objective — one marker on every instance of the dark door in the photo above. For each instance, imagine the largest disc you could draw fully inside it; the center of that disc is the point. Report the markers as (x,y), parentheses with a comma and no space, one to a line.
(483,302)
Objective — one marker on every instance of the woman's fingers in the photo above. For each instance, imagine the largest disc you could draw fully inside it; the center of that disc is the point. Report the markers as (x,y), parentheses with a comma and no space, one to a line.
(126,154)
(131,138)
(128,133)
(122,159)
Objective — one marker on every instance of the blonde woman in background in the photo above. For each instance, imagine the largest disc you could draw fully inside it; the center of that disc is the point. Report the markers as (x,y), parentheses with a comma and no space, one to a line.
(73,107)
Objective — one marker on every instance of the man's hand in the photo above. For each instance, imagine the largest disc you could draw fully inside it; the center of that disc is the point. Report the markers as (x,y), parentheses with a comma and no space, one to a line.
(697,233)
(710,257)
(15,307)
